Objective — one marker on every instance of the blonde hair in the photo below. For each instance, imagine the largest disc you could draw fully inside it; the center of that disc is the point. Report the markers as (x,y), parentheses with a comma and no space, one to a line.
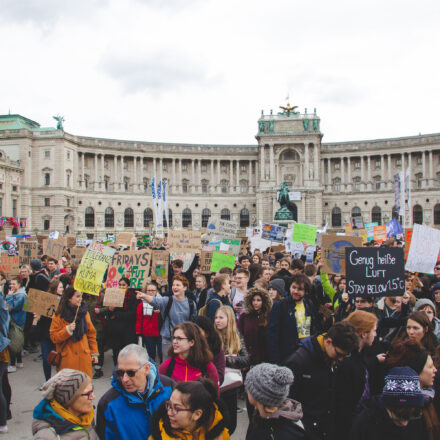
(231,343)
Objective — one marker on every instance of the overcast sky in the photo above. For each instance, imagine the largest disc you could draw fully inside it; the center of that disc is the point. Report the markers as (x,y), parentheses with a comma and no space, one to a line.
(201,71)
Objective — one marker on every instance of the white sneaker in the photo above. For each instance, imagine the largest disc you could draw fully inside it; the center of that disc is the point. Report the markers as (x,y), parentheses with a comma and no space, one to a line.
(12,369)
(19,365)
(3,429)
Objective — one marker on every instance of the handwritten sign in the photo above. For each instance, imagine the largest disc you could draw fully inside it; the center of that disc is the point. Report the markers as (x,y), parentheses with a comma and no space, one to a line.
(134,265)
(41,303)
(222,228)
(78,252)
(70,241)
(380,233)
(53,248)
(206,259)
(305,233)
(229,244)
(408,238)
(425,246)
(124,238)
(9,265)
(184,241)
(220,260)
(375,272)
(159,265)
(370,230)
(114,297)
(93,265)
(333,251)
(27,251)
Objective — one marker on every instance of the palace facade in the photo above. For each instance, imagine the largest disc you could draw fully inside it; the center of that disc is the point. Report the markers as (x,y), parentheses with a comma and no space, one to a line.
(76,184)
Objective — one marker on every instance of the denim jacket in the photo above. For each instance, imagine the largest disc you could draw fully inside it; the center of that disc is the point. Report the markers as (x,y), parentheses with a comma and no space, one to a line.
(4,324)
(16,302)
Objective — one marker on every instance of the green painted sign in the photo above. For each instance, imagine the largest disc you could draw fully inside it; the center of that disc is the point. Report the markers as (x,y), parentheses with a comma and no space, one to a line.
(221,260)
(305,233)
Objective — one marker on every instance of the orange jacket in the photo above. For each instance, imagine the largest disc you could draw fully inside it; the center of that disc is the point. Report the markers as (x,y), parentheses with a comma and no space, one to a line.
(75,355)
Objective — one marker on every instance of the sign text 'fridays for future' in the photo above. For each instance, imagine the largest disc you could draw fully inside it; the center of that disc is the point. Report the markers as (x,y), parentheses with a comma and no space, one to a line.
(375,271)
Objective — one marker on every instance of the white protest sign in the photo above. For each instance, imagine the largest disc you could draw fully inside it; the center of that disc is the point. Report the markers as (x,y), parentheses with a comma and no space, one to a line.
(425,246)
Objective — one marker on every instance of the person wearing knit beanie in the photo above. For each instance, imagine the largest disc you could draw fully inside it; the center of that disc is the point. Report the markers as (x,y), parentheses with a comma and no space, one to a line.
(278,285)
(275,416)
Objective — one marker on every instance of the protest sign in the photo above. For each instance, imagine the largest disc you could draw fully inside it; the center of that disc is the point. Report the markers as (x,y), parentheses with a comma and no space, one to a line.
(259,243)
(206,259)
(249,232)
(41,238)
(380,233)
(27,251)
(93,265)
(229,244)
(186,257)
(220,260)
(114,297)
(9,265)
(41,303)
(243,245)
(310,253)
(423,253)
(134,265)
(277,248)
(222,228)
(2,235)
(305,233)
(159,265)
(333,251)
(78,252)
(375,272)
(348,229)
(408,238)
(144,240)
(274,232)
(124,238)
(184,241)
(53,248)
(296,249)
(370,230)
(70,241)
(357,222)
(362,233)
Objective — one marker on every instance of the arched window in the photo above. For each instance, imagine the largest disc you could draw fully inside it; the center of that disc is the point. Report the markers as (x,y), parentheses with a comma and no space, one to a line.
(376,215)
(437,214)
(356,212)
(336,217)
(170,216)
(109,218)
(288,155)
(418,214)
(186,218)
(89,218)
(206,213)
(128,218)
(244,218)
(225,214)
(46,179)
(148,217)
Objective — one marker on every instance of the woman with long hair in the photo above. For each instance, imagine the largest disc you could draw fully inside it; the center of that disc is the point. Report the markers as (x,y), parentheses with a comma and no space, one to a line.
(236,356)
(190,357)
(193,412)
(214,344)
(255,272)
(73,333)
(419,329)
(253,322)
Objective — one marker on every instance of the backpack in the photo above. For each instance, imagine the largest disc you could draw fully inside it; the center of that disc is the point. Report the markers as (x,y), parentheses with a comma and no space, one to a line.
(172,364)
(204,310)
(166,312)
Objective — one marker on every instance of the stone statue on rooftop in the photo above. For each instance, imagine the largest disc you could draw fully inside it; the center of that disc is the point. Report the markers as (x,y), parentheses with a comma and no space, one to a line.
(60,119)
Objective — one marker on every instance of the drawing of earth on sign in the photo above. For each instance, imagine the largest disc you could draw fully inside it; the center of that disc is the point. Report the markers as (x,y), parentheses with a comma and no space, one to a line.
(336,255)
(159,270)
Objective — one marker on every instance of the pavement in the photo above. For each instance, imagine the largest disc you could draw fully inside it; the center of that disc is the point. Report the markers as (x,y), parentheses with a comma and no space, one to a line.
(26,395)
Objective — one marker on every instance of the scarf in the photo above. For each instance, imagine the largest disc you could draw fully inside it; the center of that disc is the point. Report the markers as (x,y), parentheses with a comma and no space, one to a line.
(84,421)
(69,313)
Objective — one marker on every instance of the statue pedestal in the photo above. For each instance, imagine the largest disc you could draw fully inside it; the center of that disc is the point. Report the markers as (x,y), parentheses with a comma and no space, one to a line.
(286,223)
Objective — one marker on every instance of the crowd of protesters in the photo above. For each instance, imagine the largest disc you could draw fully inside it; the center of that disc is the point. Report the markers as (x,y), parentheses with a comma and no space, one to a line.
(308,360)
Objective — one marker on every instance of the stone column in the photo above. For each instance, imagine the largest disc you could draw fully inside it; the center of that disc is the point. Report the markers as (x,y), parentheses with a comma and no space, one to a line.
(102,172)
(342,175)
(115,172)
(390,182)
(173,166)
(154,167)
(431,167)
(349,185)
(231,176)
(368,173)
(316,161)
(271,169)
(329,168)
(410,170)
(262,154)
(250,175)
(237,176)
(219,165)
(135,180)
(82,170)
(362,186)
(306,162)
(212,175)
(199,169)
(382,171)
(95,184)
(180,175)
(122,171)
(423,169)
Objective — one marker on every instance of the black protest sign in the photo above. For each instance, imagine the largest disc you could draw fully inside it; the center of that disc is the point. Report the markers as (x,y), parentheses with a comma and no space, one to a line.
(375,272)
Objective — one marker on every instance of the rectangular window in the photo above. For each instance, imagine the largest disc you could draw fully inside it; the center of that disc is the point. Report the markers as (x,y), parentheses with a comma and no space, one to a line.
(1,186)
(398,162)
(377,163)
(243,167)
(125,165)
(357,164)
(337,166)
(14,207)
(184,167)
(204,188)
(419,161)
(223,168)
(164,167)
(204,167)
(68,155)
(47,154)
(46,201)
(377,184)
(46,225)
(14,188)
(68,202)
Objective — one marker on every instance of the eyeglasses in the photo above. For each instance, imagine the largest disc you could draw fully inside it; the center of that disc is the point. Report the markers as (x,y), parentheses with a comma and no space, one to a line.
(360,301)
(173,409)
(129,373)
(437,267)
(341,355)
(89,393)
(178,339)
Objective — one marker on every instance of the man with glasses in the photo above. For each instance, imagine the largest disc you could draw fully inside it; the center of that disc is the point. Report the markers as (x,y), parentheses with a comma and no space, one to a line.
(125,411)
(314,365)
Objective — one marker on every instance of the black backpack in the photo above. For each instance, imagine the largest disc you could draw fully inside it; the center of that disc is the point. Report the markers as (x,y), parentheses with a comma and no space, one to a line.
(166,312)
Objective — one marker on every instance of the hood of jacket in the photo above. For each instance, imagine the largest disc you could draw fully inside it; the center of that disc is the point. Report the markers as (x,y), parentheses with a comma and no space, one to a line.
(267,301)
(421,303)
(45,415)
(153,383)
(290,410)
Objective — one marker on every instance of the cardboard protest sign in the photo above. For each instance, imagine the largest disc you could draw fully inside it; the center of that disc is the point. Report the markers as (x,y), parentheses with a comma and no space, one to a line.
(357,222)
(70,241)
(134,265)
(114,297)
(408,238)
(229,244)
(348,229)
(124,238)
(370,230)
(206,259)
(333,251)
(27,251)
(159,265)
(2,235)
(380,233)
(243,245)
(78,252)
(220,260)
(9,265)
(93,265)
(184,241)
(53,248)
(375,272)
(277,248)
(144,240)
(305,233)
(425,246)
(222,228)
(273,232)
(41,303)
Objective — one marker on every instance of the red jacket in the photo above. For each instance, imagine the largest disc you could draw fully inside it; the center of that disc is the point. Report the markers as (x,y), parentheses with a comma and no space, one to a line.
(147,325)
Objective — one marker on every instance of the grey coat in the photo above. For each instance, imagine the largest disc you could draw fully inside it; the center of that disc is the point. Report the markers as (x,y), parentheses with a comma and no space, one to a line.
(43,430)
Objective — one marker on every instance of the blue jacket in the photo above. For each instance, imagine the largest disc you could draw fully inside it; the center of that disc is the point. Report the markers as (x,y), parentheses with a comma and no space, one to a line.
(126,416)
(214,302)
(16,303)
(4,324)
(282,333)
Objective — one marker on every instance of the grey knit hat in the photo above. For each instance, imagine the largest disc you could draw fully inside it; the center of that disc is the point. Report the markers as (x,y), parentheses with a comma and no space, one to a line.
(36,264)
(278,284)
(66,386)
(269,384)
